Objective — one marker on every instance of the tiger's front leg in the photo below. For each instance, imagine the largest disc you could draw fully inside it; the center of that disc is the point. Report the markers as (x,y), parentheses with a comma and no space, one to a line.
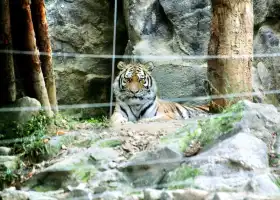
(117,119)
(153,119)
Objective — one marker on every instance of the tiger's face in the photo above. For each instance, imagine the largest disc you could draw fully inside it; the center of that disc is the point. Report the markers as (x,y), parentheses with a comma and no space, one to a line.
(134,82)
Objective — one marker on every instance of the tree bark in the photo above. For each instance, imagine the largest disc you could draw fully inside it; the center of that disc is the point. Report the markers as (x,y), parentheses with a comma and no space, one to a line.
(231,35)
(44,46)
(7,73)
(33,59)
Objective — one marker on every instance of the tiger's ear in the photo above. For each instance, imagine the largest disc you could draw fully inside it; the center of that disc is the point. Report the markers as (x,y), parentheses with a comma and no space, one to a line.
(149,66)
(121,65)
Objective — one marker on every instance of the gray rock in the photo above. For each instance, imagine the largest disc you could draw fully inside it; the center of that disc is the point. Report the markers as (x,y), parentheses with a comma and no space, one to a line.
(83,27)
(191,24)
(266,72)
(231,164)
(152,194)
(191,193)
(77,167)
(243,182)
(273,8)
(114,195)
(109,180)
(26,107)
(12,194)
(4,151)
(230,182)
(9,162)
(263,184)
(80,194)
(242,151)
(239,196)
(260,10)
(149,168)
(181,194)
(260,120)
(158,28)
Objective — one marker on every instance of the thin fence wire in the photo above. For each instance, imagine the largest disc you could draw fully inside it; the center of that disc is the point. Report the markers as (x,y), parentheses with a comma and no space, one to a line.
(111,103)
(147,57)
(183,99)
(191,120)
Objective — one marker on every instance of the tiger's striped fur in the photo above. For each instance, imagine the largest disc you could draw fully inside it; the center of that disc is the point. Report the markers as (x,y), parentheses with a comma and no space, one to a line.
(136,97)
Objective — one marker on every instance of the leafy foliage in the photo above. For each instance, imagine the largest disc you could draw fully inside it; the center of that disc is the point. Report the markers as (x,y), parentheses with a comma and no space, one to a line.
(101,122)
(207,130)
(110,143)
(182,176)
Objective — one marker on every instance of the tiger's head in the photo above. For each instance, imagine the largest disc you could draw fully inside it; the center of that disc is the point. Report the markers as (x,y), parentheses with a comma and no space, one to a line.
(134,84)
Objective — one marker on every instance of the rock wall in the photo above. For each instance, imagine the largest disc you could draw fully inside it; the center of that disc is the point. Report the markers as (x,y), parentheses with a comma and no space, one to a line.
(160,28)
(81,31)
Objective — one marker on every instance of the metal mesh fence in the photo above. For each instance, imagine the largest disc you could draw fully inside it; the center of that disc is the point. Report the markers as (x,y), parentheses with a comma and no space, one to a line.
(111,103)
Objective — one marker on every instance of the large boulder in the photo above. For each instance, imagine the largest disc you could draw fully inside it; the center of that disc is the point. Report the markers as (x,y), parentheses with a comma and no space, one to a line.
(21,111)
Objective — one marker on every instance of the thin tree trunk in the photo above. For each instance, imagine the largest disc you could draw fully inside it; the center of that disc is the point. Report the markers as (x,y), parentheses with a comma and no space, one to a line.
(7,73)
(34,61)
(43,43)
(231,35)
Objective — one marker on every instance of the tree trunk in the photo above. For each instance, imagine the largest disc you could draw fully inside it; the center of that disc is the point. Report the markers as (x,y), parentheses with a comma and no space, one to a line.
(7,73)
(231,35)
(43,43)
(33,59)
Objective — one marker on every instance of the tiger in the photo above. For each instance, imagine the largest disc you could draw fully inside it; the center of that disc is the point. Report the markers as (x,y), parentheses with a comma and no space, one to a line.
(136,97)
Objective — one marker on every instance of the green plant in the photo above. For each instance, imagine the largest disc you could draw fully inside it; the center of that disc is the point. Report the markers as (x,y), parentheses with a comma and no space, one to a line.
(182,176)
(98,121)
(207,130)
(110,143)
(274,161)
(7,176)
(276,180)
(28,139)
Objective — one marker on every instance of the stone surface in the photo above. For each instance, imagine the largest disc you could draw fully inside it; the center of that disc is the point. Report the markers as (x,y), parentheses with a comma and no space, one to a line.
(158,28)
(266,65)
(161,28)
(4,151)
(26,108)
(80,165)
(11,194)
(10,162)
(261,120)
(234,166)
(81,33)
(149,168)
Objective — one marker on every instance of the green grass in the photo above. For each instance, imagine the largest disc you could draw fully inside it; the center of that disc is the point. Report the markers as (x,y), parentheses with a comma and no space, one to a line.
(276,180)
(84,173)
(102,122)
(29,140)
(182,177)
(207,130)
(274,161)
(110,143)
(7,176)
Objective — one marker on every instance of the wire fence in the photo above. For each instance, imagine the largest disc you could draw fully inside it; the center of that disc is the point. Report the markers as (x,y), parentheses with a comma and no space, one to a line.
(147,57)
(111,102)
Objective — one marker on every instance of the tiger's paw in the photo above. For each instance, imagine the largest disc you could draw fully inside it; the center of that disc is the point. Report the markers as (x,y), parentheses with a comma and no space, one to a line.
(152,119)
(120,122)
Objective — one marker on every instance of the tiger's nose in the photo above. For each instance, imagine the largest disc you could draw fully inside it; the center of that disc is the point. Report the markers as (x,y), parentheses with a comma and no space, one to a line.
(134,89)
